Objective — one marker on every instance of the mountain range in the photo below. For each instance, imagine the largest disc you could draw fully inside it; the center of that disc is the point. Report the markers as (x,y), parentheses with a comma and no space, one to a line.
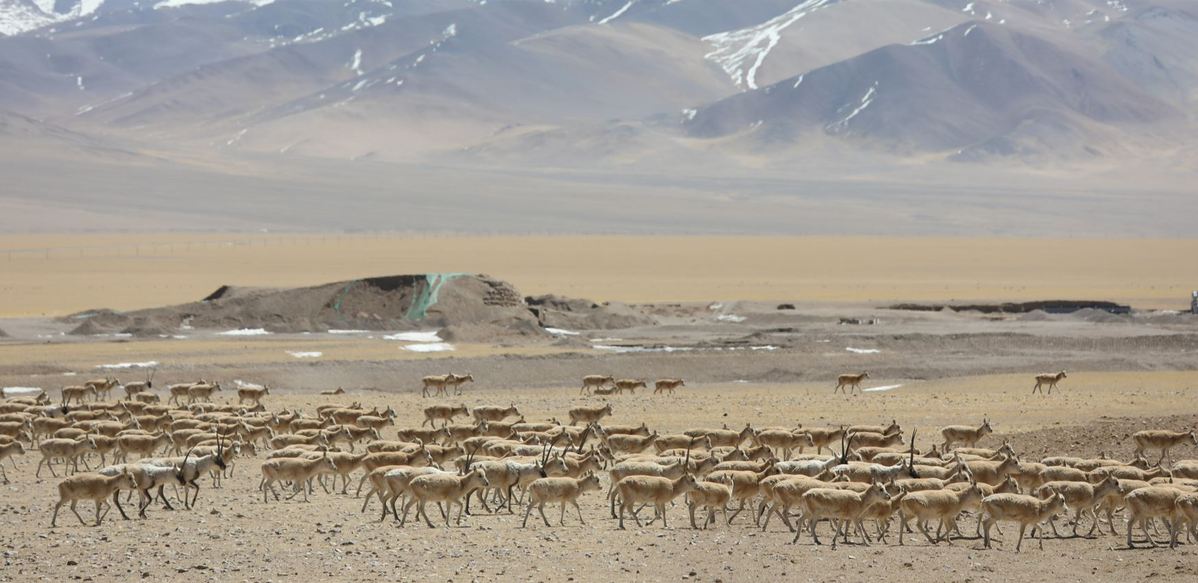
(818,89)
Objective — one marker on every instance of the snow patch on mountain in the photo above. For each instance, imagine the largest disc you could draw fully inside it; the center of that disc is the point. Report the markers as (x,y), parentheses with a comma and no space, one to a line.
(178,3)
(618,13)
(21,16)
(866,100)
(17,16)
(742,52)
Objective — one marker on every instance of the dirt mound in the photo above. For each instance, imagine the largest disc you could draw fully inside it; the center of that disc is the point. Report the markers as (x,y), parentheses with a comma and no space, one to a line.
(1048,306)
(3,334)
(1100,316)
(1034,316)
(401,302)
(1167,317)
(579,314)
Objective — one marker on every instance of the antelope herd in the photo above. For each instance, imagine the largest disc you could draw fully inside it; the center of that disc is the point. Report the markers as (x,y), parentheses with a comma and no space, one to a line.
(493,456)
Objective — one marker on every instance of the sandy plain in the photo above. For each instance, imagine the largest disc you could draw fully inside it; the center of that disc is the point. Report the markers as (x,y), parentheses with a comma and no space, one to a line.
(1125,374)
(60,274)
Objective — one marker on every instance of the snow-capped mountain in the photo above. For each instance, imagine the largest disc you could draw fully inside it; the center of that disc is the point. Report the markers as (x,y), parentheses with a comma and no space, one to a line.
(404,79)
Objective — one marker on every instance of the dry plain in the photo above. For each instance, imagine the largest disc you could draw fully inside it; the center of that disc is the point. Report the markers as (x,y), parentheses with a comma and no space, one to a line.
(60,274)
(1125,374)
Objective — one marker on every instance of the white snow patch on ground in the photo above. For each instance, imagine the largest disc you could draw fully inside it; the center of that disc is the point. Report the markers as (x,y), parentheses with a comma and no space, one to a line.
(969,30)
(742,52)
(21,391)
(730,318)
(798,82)
(355,64)
(863,350)
(305,354)
(561,332)
(689,114)
(349,331)
(429,336)
(618,13)
(120,365)
(429,347)
(244,332)
(624,349)
(881,389)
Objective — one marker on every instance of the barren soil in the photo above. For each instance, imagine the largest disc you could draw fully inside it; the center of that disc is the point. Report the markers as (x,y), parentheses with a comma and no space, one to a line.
(744,362)
(62,274)
(232,534)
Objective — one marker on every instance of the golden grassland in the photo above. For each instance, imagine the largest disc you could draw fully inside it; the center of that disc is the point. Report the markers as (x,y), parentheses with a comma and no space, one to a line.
(59,274)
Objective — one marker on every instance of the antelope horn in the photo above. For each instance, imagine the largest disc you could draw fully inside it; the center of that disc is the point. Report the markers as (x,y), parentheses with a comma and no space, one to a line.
(586,433)
(911,462)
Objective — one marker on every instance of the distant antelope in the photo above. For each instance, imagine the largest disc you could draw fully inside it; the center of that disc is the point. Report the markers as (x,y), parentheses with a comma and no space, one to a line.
(77,394)
(134,388)
(851,381)
(594,381)
(965,434)
(443,413)
(1163,440)
(179,390)
(437,382)
(456,381)
(102,387)
(1047,379)
(201,392)
(8,450)
(252,393)
(663,385)
(587,415)
(629,385)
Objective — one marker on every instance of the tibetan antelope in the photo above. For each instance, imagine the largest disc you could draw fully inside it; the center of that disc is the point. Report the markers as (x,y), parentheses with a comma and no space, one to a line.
(848,383)
(595,381)
(1050,380)
(664,385)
